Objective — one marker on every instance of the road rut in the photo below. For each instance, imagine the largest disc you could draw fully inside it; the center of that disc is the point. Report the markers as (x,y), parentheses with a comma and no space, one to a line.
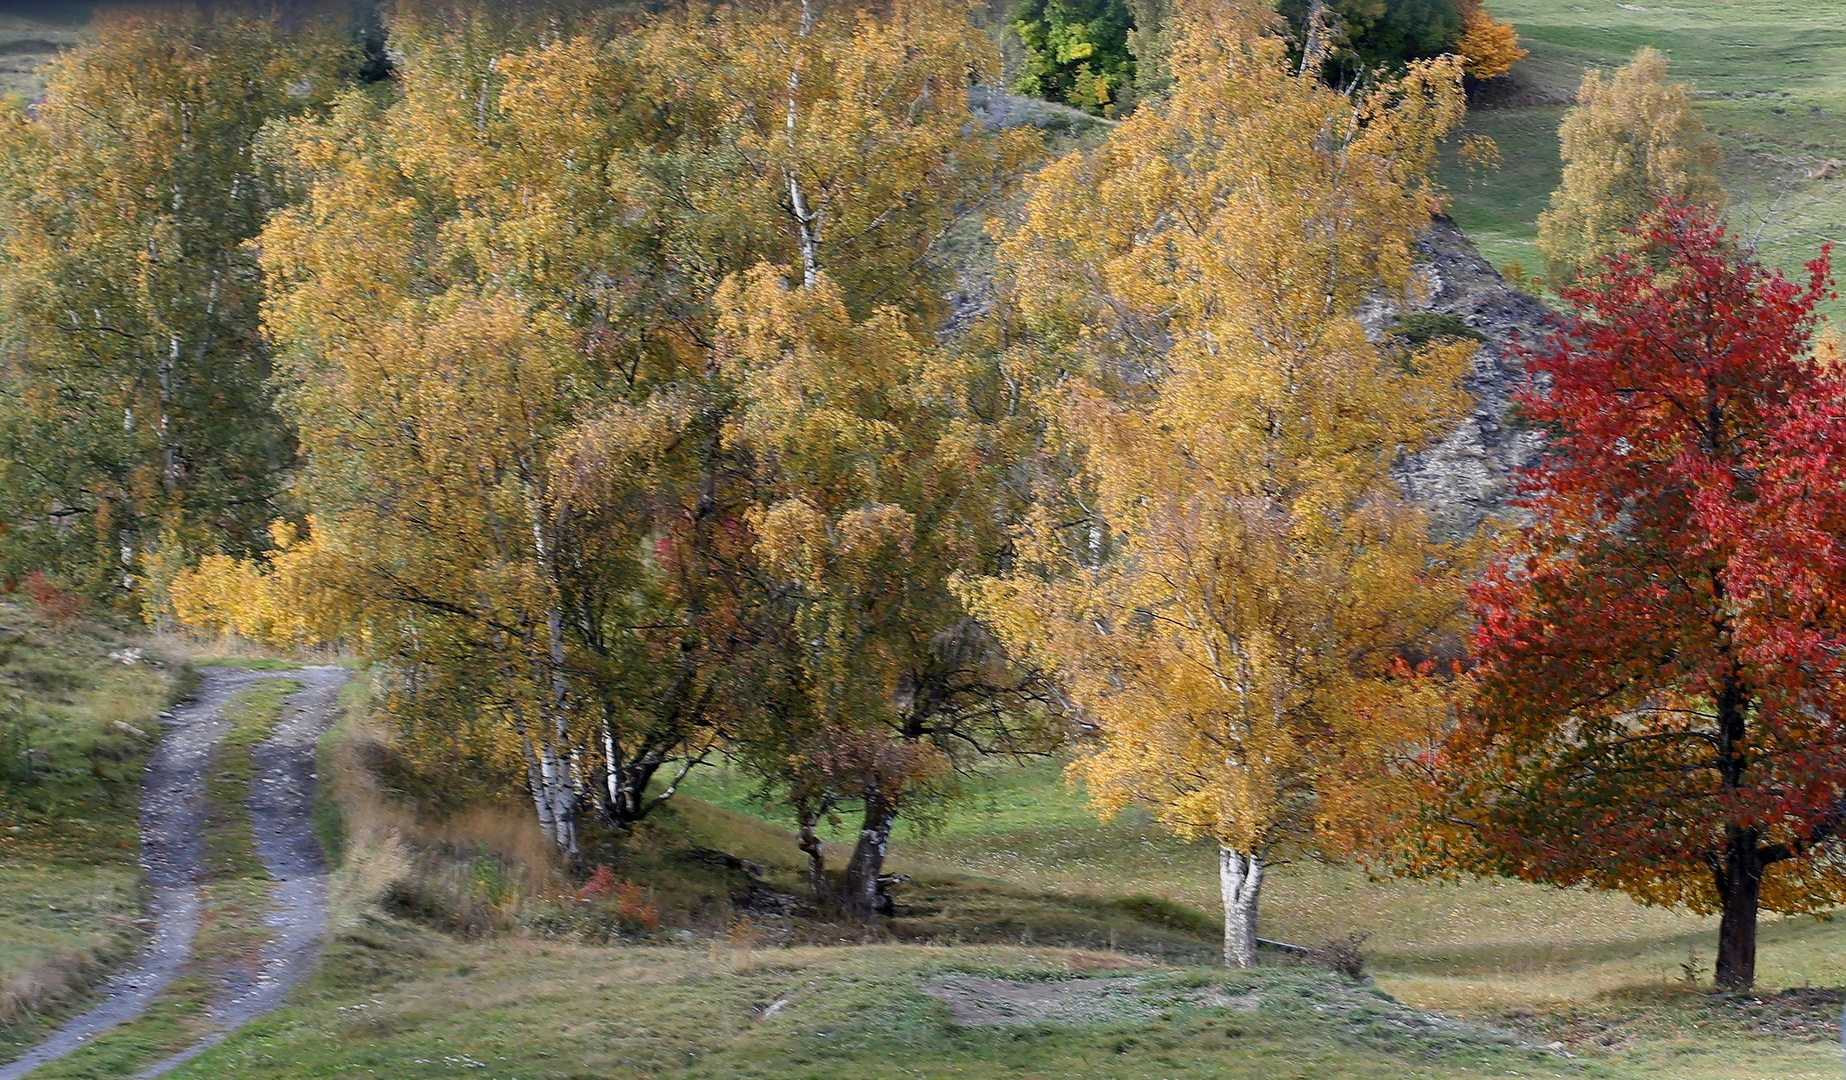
(172,816)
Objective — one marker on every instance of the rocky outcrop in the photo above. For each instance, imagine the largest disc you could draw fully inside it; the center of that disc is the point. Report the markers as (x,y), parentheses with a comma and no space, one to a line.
(1467,477)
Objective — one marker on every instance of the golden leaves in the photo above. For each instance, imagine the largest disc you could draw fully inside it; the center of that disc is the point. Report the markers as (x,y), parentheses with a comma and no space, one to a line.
(1489,47)
(1249,570)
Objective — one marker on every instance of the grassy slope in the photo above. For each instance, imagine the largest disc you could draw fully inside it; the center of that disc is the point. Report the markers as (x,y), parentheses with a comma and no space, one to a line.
(1771,77)
(1590,969)
(395,999)
(69,875)
(398,1000)
(31,33)
(534,1009)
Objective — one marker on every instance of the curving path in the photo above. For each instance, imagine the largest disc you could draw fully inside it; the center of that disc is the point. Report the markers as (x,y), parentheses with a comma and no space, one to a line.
(172,813)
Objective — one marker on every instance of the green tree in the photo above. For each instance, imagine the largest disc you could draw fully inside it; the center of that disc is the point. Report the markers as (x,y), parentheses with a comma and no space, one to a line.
(1369,35)
(137,431)
(1076,51)
(1631,140)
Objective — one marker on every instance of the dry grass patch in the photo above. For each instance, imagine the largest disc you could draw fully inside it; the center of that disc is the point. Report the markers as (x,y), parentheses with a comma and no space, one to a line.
(70,879)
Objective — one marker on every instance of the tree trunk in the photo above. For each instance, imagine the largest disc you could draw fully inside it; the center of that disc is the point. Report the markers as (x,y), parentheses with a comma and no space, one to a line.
(1314,40)
(807,221)
(535,781)
(1740,875)
(816,851)
(1240,876)
(1740,887)
(860,890)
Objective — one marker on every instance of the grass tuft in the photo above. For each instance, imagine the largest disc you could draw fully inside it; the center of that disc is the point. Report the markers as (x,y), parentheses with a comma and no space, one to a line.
(76,726)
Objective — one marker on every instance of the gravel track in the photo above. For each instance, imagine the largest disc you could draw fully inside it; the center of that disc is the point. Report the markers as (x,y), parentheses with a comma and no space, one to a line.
(172,815)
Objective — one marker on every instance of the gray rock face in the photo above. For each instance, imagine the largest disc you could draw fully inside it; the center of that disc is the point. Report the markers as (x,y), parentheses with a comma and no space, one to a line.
(1467,477)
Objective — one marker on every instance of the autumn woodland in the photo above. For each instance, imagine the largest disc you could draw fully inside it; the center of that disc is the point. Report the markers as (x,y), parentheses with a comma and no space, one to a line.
(862,400)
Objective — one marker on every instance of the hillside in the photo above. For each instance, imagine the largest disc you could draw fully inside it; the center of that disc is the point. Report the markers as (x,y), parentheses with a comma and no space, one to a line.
(31,34)
(1770,82)
(1017,950)
(78,718)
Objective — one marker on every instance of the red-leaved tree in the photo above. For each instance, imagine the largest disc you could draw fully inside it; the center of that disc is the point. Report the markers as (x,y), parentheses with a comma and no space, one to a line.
(1659,706)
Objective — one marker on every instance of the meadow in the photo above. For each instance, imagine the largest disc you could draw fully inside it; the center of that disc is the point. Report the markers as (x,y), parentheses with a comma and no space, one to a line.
(1110,924)
(1769,80)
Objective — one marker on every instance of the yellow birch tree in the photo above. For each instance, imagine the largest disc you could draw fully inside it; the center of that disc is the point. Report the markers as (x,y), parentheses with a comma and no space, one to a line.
(561,552)
(1631,140)
(1232,606)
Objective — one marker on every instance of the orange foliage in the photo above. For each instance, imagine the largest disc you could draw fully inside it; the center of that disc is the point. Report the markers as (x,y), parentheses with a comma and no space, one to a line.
(57,606)
(628,899)
(1488,48)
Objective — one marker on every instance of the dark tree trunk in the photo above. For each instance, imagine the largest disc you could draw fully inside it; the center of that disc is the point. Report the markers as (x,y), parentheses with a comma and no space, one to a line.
(1740,886)
(1739,873)
(861,892)
(625,790)
(816,851)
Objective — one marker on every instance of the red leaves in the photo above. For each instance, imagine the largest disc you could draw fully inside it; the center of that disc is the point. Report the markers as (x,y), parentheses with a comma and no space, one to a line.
(1659,653)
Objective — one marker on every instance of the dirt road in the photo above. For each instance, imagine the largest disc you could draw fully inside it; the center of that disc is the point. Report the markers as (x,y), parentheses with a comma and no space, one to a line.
(172,813)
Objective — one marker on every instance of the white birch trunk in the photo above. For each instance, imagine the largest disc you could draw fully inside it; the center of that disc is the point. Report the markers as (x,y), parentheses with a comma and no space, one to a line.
(1314,48)
(1240,876)
(807,221)
(535,780)
(559,763)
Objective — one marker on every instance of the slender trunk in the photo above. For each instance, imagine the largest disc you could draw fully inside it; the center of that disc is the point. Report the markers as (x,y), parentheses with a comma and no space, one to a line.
(860,891)
(126,542)
(1314,40)
(623,799)
(555,774)
(535,782)
(807,221)
(1740,887)
(169,466)
(1240,876)
(560,766)
(816,850)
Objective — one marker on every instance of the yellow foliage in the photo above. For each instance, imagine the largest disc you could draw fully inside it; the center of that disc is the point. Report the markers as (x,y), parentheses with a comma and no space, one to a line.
(275,599)
(1488,48)
(1631,140)
(1229,608)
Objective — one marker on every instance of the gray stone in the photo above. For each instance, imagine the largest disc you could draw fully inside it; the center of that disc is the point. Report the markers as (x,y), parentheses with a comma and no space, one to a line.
(1467,477)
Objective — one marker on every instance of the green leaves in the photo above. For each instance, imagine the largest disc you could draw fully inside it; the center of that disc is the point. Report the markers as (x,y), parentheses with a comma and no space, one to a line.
(138,431)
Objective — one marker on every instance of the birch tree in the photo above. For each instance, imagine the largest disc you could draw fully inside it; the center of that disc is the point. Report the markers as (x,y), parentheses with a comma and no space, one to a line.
(449,306)
(138,431)
(1228,588)
(1631,140)
(877,477)
(579,560)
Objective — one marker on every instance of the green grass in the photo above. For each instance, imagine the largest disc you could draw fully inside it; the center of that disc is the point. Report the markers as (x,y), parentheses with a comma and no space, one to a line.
(1022,853)
(531,1009)
(1771,82)
(234,897)
(249,663)
(1018,879)
(70,878)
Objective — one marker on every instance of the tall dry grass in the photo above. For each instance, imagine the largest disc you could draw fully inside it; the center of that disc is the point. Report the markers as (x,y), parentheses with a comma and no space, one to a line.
(478,870)
(53,979)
